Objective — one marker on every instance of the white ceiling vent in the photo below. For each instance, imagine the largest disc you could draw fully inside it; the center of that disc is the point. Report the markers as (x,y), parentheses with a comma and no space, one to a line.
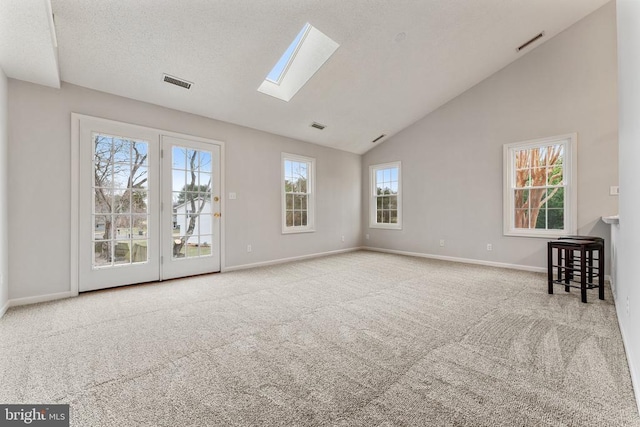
(527,43)
(176,81)
(317,125)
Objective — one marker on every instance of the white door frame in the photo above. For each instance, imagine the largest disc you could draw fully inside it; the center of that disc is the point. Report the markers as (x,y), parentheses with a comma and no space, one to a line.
(75,189)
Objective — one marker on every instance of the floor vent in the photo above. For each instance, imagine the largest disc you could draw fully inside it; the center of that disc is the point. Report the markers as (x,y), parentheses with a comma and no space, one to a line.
(176,81)
(525,44)
(317,125)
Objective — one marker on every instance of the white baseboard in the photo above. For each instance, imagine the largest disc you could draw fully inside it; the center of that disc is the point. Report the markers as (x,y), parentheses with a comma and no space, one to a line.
(283,260)
(40,298)
(635,380)
(461,260)
(4,308)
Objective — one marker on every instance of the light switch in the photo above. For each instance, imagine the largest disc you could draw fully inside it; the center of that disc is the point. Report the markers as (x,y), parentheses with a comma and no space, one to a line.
(232,196)
(614,190)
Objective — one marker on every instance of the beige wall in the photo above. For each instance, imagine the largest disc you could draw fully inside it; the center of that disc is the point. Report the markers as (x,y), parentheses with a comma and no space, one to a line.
(628,247)
(4,174)
(452,159)
(39,174)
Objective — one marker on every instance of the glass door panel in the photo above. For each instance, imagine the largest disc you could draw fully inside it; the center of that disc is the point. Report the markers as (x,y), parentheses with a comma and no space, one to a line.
(193,225)
(121,210)
(191,189)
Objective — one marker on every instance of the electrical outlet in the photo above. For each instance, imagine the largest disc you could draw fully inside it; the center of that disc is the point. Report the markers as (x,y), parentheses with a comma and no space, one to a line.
(614,190)
(343,238)
(232,196)
(441,242)
(489,247)
(627,306)
(366,236)
(249,248)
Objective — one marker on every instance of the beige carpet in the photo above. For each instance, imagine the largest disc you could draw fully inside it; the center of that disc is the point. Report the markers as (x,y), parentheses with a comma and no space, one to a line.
(360,339)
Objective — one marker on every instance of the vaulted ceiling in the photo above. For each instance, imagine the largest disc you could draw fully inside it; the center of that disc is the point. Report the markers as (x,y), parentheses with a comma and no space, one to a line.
(397,61)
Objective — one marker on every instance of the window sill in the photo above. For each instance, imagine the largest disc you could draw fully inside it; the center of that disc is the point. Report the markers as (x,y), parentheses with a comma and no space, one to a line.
(304,230)
(554,235)
(386,227)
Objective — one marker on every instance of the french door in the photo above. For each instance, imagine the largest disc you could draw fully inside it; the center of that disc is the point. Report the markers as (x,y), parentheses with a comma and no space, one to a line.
(149,205)
(191,179)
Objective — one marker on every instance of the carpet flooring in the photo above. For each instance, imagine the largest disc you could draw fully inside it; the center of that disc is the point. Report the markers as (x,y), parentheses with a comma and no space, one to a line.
(358,339)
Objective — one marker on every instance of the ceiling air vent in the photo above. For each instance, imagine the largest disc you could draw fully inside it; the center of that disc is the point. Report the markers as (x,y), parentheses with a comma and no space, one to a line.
(527,43)
(379,138)
(176,81)
(317,125)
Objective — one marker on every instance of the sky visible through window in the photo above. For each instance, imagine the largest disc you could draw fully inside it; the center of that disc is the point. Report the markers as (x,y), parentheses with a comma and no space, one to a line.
(276,74)
(181,170)
(387,181)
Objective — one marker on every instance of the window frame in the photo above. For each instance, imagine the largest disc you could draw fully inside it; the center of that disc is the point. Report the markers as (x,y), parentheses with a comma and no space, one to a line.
(311,182)
(373,207)
(570,178)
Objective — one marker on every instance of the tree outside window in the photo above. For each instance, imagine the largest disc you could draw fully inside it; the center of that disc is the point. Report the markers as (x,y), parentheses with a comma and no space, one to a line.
(540,187)
(298,194)
(120,200)
(191,181)
(385,196)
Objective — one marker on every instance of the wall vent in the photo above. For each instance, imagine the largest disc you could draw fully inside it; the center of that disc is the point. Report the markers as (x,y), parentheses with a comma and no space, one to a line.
(379,138)
(527,43)
(176,81)
(317,125)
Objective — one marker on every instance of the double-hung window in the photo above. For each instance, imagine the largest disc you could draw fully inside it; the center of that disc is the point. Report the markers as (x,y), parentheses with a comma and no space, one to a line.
(298,194)
(385,208)
(540,187)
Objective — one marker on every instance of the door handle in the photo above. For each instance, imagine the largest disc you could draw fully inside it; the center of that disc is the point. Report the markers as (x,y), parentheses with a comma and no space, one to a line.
(217,214)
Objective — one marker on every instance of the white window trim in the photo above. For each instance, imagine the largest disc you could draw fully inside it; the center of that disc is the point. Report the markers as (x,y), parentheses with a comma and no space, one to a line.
(372,196)
(311,202)
(570,142)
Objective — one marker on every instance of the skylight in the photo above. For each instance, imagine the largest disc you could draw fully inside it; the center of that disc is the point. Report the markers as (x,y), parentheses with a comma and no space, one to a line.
(303,58)
(276,74)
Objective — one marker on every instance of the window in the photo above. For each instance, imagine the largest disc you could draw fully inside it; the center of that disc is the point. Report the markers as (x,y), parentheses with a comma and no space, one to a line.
(540,187)
(308,51)
(277,72)
(298,176)
(385,199)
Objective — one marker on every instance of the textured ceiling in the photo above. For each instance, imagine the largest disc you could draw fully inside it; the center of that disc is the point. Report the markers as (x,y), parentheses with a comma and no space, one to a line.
(373,84)
(27,50)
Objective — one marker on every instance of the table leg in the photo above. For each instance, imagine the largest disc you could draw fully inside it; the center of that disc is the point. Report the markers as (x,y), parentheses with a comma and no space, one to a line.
(583,274)
(568,268)
(550,267)
(590,266)
(601,273)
